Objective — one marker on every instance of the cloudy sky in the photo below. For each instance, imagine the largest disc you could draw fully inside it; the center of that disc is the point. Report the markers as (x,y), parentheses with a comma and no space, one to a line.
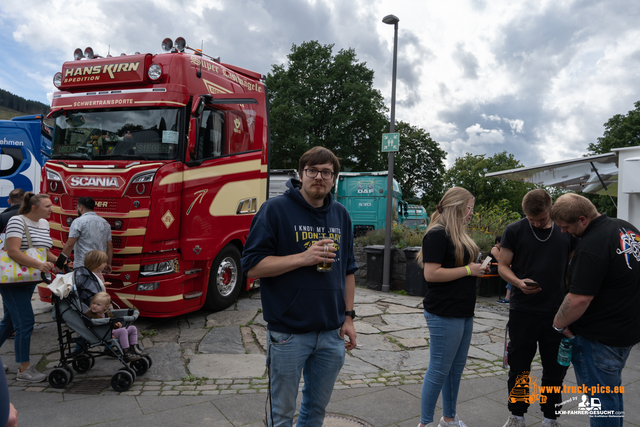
(535,78)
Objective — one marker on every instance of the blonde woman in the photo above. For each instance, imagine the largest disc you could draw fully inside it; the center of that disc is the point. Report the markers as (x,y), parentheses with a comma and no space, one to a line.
(450,275)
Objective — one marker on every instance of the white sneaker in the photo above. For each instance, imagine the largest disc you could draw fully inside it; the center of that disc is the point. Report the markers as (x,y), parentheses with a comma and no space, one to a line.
(552,423)
(455,423)
(512,421)
(31,375)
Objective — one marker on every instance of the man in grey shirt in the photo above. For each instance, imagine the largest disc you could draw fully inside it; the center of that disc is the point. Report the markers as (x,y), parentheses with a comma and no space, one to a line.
(88,232)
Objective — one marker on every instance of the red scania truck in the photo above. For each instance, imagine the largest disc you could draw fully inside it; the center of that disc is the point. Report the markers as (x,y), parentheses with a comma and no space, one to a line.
(174,149)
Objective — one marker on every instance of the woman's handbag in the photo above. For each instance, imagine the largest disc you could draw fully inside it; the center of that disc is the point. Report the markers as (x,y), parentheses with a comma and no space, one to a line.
(12,273)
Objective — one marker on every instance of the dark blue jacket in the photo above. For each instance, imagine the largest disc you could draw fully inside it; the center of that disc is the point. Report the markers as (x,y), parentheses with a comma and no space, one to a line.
(302,300)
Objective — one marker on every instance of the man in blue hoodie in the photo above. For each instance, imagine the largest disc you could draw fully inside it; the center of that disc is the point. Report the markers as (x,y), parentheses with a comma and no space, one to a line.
(308,311)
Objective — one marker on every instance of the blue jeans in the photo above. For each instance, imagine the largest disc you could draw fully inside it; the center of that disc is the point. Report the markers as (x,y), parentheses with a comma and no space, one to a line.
(319,356)
(597,364)
(18,316)
(449,340)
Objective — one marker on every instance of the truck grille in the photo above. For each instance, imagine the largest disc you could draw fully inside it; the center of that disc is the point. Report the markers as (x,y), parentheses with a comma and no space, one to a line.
(122,205)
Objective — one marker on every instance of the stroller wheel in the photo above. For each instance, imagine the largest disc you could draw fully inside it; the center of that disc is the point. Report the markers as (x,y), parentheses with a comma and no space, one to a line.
(59,378)
(122,381)
(82,363)
(70,371)
(148,360)
(140,366)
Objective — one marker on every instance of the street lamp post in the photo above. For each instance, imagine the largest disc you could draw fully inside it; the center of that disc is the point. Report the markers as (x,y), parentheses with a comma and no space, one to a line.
(386,272)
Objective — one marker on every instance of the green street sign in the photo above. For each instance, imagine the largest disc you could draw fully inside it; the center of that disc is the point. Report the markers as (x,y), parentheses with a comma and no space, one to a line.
(390,142)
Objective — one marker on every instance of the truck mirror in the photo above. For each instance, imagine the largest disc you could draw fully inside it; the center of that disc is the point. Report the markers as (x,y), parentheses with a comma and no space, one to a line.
(198,107)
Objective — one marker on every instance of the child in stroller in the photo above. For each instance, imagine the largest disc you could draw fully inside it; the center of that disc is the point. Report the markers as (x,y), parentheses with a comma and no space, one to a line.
(92,338)
(128,337)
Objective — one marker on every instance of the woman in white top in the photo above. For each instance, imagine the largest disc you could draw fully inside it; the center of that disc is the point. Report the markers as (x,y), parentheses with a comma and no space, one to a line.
(18,315)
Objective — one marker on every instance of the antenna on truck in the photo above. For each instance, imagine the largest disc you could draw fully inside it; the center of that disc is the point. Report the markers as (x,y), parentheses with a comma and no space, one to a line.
(199,73)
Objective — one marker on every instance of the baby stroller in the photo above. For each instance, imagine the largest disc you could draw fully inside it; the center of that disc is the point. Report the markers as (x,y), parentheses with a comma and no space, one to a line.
(85,339)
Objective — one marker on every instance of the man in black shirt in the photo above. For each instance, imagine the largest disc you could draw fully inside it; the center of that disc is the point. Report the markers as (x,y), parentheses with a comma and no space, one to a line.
(533,257)
(15,200)
(602,306)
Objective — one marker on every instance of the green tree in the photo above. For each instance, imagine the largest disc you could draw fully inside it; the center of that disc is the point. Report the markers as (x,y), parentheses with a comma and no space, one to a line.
(320,98)
(620,131)
(419,165)
(469,172)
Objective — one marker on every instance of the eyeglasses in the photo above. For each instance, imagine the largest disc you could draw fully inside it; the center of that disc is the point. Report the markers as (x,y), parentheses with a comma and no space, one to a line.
(312,173)
(470,208)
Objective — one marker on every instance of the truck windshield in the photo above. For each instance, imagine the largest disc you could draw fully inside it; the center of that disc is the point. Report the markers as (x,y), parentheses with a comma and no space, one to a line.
(147,134)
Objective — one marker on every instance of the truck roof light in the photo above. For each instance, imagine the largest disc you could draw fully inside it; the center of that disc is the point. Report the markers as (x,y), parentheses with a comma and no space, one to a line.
(77,54)
(88,53)
(167,44)
(154,72)
(57,79)
(181,43)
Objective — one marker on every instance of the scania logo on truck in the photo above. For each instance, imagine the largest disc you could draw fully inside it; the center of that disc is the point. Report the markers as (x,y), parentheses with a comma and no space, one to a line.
(94,181)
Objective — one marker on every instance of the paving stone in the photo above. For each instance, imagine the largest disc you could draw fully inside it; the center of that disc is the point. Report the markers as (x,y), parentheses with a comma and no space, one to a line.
(476,353)
(392,327)
(408,301)
(415,320)
(489,315)
(412,342)
(367,310)
(496,323)
(363,327)
(480,328)
(223,366)
(374,342)
(222,340)
(354,365)
(44,339)
(497,349)
(387,360)
(261,336)
(230,318)
(366,296)
(167,363)
(478,339)
(401,309)
(416,360)
(249,304)
(411,333)
(192,335)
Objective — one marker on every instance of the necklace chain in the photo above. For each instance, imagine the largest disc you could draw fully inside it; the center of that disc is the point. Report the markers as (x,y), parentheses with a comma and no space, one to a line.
(539,239)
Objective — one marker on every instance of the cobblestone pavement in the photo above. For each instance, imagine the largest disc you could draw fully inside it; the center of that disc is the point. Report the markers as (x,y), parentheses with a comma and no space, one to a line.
(206,353)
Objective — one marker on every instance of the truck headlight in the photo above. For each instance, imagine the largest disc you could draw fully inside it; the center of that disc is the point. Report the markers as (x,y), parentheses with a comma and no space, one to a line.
(164,267)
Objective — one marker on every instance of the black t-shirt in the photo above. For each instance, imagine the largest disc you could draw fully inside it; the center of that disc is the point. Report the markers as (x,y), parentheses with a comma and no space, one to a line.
(607,265)
(448,299)
(544,262)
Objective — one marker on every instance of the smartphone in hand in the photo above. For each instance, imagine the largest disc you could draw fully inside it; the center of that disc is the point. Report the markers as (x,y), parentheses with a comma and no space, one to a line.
(532,283)
(486,262)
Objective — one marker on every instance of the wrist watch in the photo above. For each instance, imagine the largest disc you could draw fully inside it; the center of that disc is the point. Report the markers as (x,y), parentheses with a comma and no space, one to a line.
(560,330)
(351,313)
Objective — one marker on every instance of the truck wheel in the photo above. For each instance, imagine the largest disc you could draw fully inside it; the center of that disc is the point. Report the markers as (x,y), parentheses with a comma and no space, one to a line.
(225,280)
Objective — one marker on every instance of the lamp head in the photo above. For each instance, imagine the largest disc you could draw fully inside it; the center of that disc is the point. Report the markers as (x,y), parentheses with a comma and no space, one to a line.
(390,20)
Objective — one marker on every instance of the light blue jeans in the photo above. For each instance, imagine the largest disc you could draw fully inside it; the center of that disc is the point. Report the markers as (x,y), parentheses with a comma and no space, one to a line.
(449,340)
(318,356)
(597,364)
(18,316)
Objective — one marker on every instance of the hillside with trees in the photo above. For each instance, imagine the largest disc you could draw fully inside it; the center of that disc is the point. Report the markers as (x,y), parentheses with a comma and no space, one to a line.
(13,105)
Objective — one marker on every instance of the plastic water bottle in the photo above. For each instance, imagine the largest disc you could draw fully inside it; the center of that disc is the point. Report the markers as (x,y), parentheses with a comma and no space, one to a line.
(564,351)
